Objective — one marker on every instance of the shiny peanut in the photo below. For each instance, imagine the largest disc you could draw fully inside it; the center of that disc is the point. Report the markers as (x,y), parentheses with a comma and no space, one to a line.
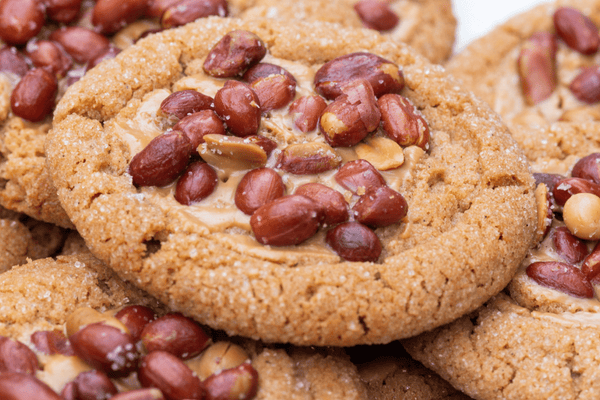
(236,52)
(33,97)
(537,67)
(380,206)
(308,158)
(232,153)
(106,348)
(18,386)
(586,85)
(581,214)
(175,334)
(257,188)
(168,373)
(189,10)
(562,277)
(50,55)
(334,205)
(82,44)
(402,123)
(218,357)
(162,160)
(51,342)
(262,70)
(383,153)
(354,241)
(198,124)
(196,183)
(12,61)
(63,11)
(306,111)
(358,175)
(588,168)
(20,20)
(135,318)
(274,91)
(109,16)
(577,30)
(286,221)
(93,385)
(232,384)
(383,75)
(569,247)
(570,186)
(185,102)
(239,107)
(376,14)
(16,357)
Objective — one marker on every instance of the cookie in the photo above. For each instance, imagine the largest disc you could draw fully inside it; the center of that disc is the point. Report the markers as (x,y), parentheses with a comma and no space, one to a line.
(497,351)
(429,26)
(460,212)
(550,118)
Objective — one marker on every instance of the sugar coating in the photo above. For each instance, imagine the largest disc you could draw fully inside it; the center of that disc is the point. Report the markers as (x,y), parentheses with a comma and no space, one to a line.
(471,207)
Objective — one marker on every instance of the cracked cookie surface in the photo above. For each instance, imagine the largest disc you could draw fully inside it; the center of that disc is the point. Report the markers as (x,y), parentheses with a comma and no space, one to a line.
(471,211)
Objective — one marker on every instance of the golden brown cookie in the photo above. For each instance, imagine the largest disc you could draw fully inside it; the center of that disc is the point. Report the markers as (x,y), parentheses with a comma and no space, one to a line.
(547,116)
(426,25)
(470,219)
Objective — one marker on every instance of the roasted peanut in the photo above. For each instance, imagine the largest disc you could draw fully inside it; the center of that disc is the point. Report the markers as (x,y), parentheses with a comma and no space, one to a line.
(577,30)
(376,14)
(12,61)
(232,55)
(175,334)
(232,384)
(263,142)
(306,111)
(16,357)
(562,277)
(168,373)
(591,264)
(358,175)
(308,158)
(185,102)
(50,55)
(383,153)
(537,67)
(156,8)
(274,91)
(402,123)
(51,342)
(550,180)
(18,386)
(354,242)
(33,97)
(262,70)
(383,75)
(335,207)
(588,168)
(380,206)
(63,11)
(581,214)
(106,348)
(586,85)
(257,188)
(84,316)
(286,221)
(239,107)
(94,384)
(162,160)
(189,10)
(82,44)
(570,186)
(198,124)
(111,15)
(218,357)
(569,247)
(196,183)
(135,318)
(20,20)
(233,153)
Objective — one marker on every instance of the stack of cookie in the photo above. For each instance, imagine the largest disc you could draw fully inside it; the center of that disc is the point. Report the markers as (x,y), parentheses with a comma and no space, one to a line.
(269,178)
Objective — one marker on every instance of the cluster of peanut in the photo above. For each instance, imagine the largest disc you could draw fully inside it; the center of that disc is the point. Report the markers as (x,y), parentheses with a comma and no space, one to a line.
(574,200)
(58,39)
(363,90)
(129,356)
(537,60)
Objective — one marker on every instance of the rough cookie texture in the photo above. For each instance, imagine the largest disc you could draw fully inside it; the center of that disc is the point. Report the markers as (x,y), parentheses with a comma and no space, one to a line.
(558,127)
(426,25)
(471,211)
(509,352)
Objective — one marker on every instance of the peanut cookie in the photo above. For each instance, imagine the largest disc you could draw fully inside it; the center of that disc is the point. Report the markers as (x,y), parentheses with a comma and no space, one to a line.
(537,71)
(427,25)
(399,231)
(555,291)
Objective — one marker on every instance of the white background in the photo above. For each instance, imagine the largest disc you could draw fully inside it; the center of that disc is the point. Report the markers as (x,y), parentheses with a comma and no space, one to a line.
(477,17)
